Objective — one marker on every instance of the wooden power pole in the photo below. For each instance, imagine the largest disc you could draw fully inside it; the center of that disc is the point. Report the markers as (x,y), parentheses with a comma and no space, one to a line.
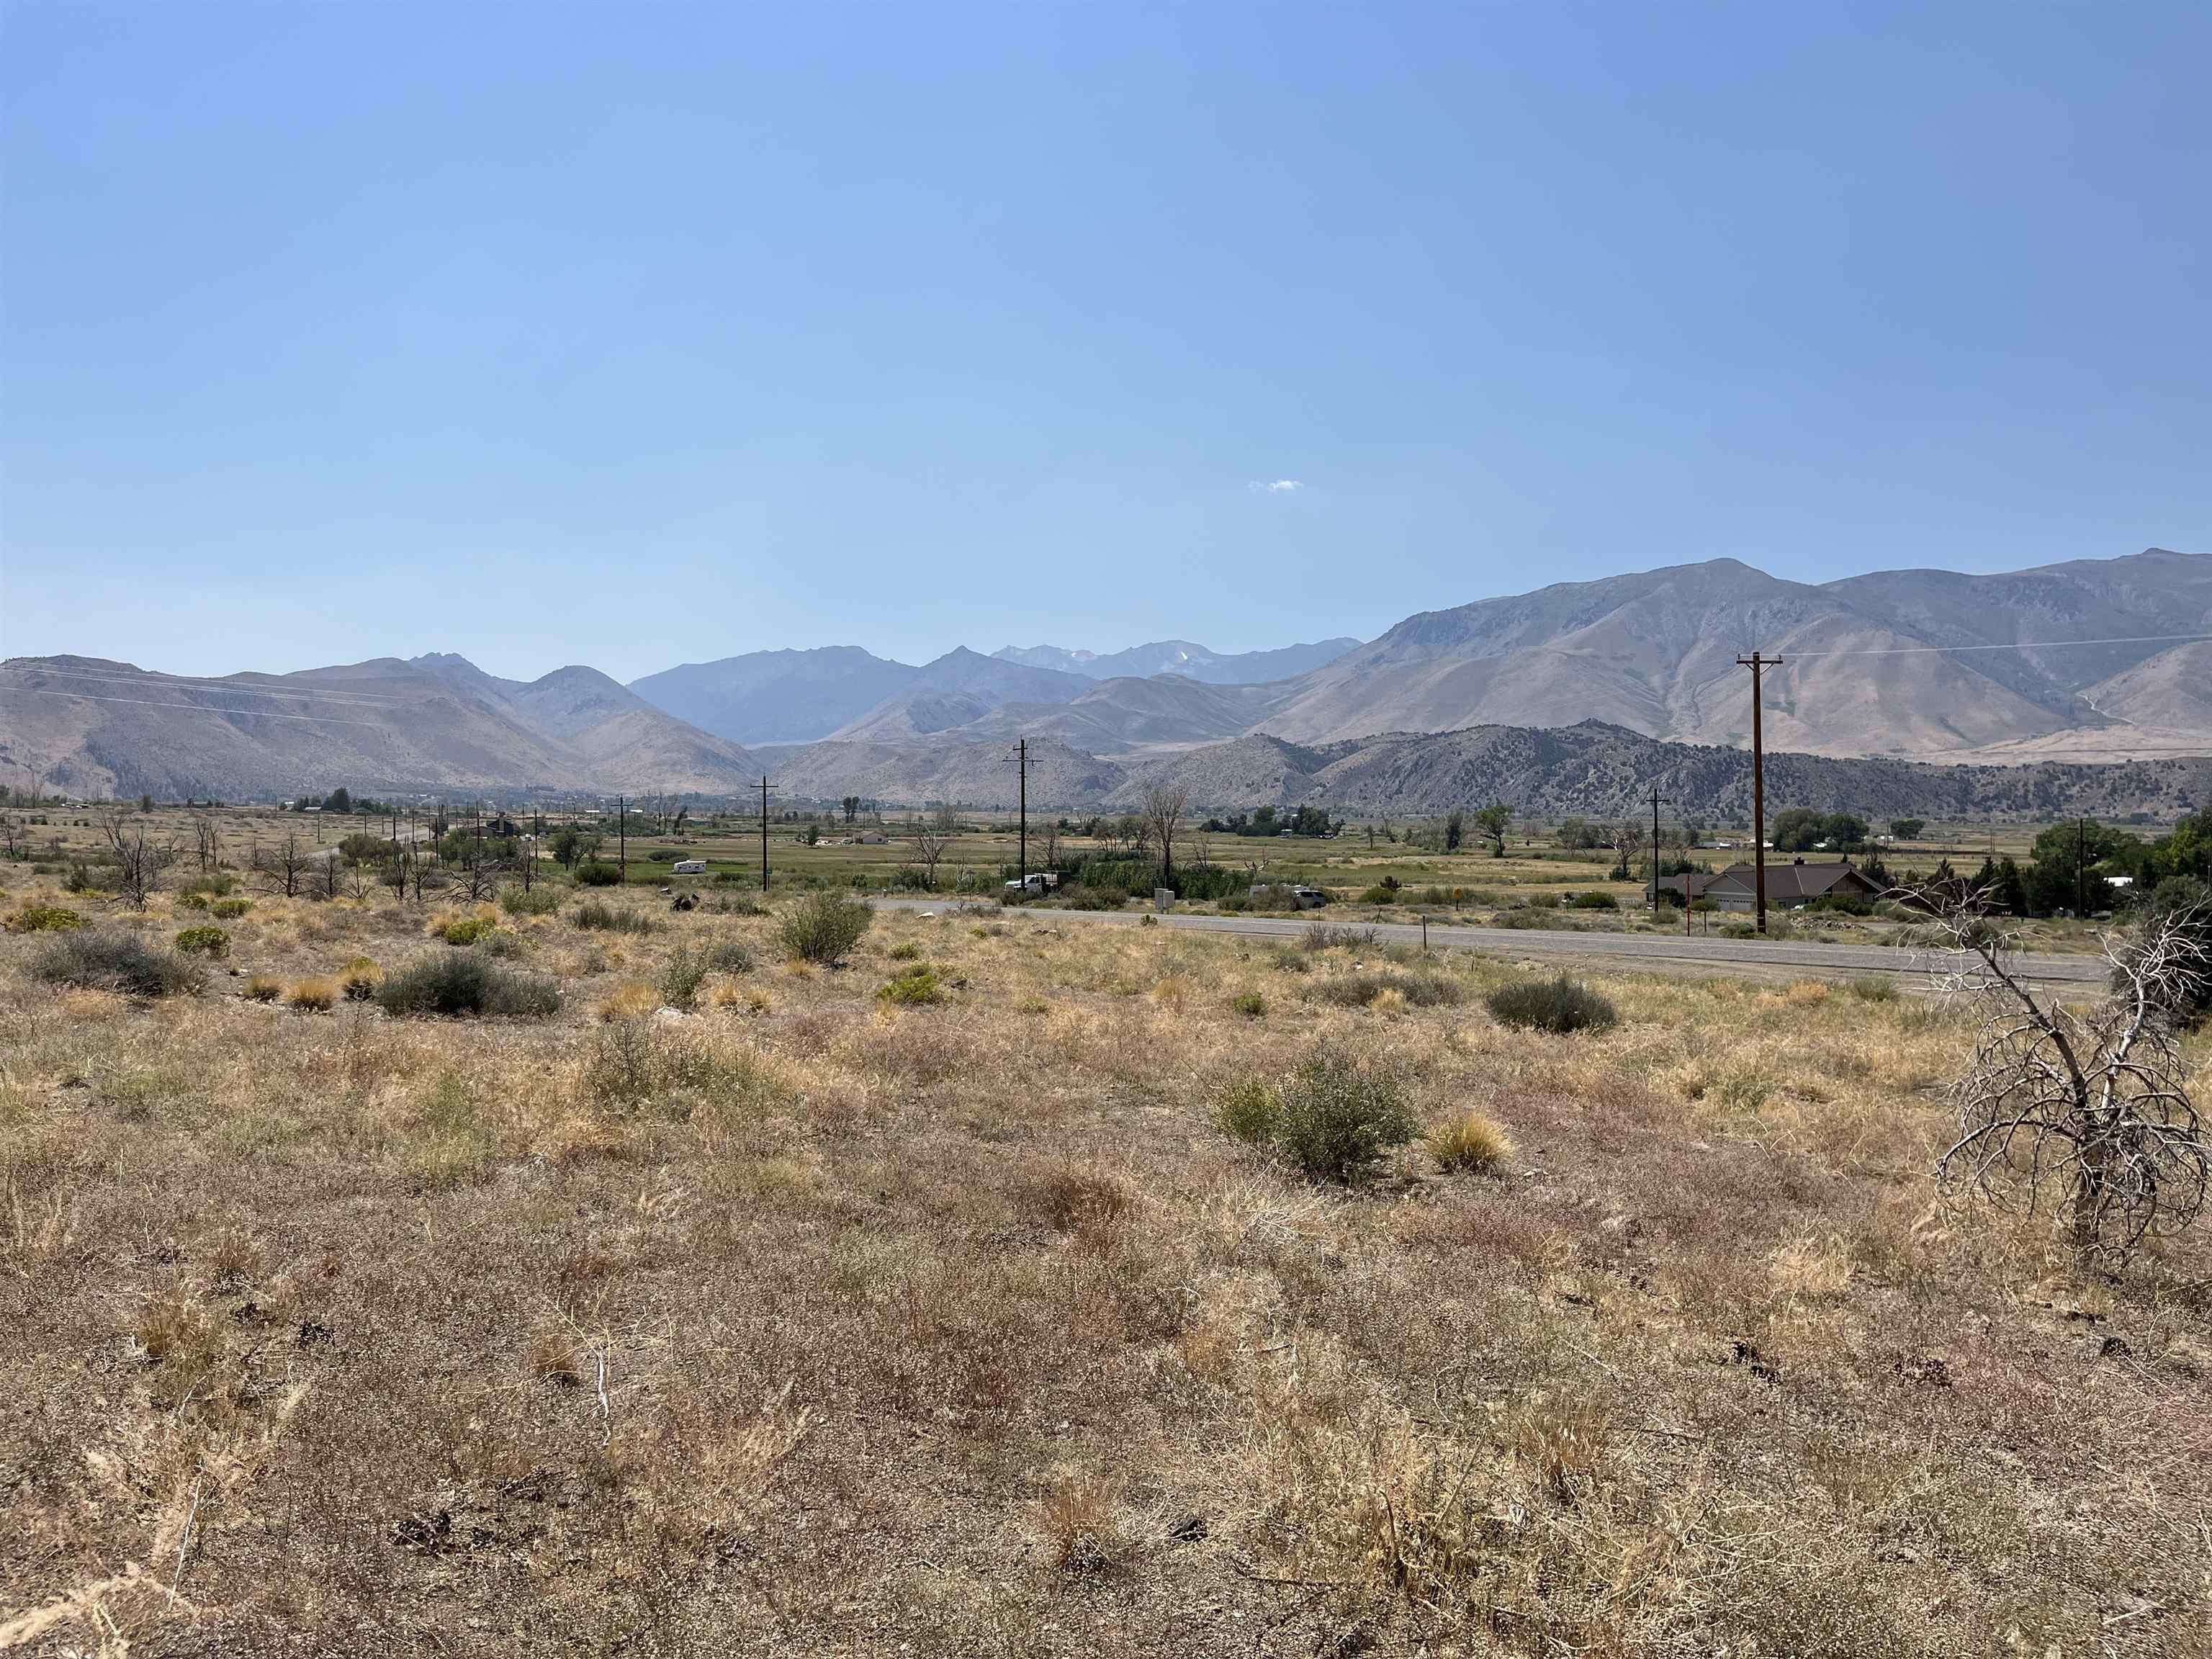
(1020,760)
(1756,663)
(763,832)
(1657,800)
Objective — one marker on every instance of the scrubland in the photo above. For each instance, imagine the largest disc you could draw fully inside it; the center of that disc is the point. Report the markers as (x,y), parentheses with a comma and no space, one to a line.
(817,1316)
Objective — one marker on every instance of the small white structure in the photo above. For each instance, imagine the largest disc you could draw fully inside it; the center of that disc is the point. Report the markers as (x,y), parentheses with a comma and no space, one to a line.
(690,867)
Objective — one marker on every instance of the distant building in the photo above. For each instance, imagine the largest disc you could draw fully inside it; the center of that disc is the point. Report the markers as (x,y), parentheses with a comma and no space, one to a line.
(1695,884)
(1788,885)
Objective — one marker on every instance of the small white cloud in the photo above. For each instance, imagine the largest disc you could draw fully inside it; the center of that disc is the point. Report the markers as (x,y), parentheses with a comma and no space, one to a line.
(1278,486)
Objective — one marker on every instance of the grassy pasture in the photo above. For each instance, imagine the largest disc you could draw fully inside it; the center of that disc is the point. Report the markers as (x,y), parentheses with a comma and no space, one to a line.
(816,1320)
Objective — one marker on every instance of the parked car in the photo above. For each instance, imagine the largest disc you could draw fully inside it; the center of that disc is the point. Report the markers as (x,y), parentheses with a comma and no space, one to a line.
(1307,898)
(1038,881)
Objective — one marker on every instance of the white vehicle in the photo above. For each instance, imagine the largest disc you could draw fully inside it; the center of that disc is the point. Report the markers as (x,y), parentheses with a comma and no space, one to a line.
(1038,881)
(691,867)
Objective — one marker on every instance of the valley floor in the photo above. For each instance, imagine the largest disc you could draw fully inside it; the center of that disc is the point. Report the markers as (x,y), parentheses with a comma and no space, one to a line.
(809,1321)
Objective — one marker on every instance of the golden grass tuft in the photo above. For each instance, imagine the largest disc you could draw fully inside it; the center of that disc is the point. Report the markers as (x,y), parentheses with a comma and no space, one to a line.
(632,1000)
(318,995)
(1470,1142)
(262,987)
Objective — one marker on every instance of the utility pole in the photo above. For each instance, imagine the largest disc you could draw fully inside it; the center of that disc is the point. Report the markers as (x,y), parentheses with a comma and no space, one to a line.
(2080,842)
(1757,663)
(763,832)
(1656,802)
(1020,761)
(622,834)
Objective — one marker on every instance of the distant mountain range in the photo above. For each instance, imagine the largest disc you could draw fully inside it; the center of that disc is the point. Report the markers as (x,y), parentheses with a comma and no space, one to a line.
(1924,665)
(90,727)
(1183,659)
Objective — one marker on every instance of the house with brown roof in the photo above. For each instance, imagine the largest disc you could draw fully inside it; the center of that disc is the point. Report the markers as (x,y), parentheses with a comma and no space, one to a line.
(1789,886)
(1692,885)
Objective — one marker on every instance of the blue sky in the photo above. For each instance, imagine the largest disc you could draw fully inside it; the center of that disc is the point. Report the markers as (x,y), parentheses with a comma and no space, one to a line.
(635,335)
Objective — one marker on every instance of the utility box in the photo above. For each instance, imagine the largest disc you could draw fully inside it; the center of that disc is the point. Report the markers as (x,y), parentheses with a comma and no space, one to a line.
(1163,899)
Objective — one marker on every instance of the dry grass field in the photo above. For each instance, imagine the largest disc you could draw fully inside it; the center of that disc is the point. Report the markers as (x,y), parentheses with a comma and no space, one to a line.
(827,1318)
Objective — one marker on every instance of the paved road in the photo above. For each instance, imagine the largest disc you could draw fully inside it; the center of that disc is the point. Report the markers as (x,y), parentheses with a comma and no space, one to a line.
(1660,952)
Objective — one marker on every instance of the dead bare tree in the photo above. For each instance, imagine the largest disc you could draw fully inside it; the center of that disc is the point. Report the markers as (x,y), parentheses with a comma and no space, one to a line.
(207,842)
(284,867)
(2089,1109)
(1164,805)
(930,845)
(139,859)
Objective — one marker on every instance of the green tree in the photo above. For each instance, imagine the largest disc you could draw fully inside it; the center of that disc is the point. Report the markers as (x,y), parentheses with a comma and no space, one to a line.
(1455,830)
(1907,828)
(1491,823)
(338,800)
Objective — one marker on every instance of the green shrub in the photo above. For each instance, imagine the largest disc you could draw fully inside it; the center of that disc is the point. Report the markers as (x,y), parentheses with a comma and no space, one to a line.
(680,979)
(1248,1111)
(191,900)
(598,875)
(1874,989)
(915,986)
(1383,892)
(1559,1004)
(728,957)
(907,952)
(536,902)
(597,915)
(1429,990)
(1596,901)
(229,909)
(463,930)
(113,962)
(1092,898)
(1527,921)
(44,919)
(1251,1003)
(1320,936)
(451,983)
(1340,1116)
(823,927)
(211,942)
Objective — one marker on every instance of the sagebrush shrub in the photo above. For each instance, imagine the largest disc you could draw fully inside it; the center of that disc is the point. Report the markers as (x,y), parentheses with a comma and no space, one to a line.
(531,901)
(823,927)
(729,957)
(44,919)
(1422,990)
(211,942)
(915,987)
(1251,1003)
(1340,1115)
(1249,1111)
(680,979)
(462,930)
(597,915)
(98,960)
(1559,1004)
(451,983)
(229,909)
